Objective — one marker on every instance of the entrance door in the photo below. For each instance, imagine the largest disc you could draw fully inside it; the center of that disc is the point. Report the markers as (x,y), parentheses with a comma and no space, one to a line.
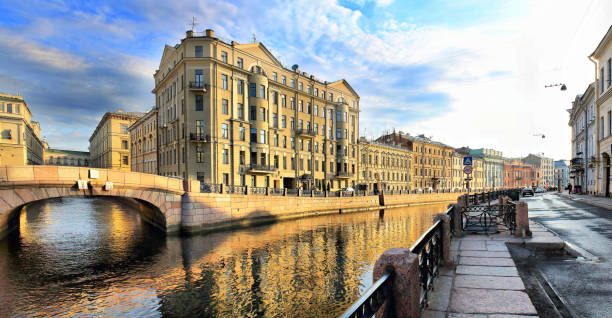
(607,178)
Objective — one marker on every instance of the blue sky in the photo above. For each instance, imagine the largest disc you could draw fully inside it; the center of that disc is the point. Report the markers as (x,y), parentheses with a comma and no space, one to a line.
(419,66)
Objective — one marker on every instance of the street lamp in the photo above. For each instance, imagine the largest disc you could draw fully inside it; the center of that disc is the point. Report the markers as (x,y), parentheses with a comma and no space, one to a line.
(563,87)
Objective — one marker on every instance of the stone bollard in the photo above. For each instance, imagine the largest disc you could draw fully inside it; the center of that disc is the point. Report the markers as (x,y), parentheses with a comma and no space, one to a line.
(457,219)
(405,288)
(284,192)
(326,193)
(246,190)
(223,188)
(522,220)
(446,240)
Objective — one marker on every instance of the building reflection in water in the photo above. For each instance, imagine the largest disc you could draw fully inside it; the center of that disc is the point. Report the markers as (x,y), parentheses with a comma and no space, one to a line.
(97,257)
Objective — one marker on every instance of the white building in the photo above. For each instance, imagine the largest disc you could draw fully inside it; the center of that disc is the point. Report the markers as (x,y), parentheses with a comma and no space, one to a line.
(583,166)
(562,174)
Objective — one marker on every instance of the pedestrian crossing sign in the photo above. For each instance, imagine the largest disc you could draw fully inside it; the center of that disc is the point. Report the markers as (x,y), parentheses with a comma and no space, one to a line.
(467,161)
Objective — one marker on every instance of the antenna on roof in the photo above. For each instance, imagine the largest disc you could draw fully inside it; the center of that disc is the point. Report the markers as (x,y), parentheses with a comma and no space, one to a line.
(193,23)
(254,38)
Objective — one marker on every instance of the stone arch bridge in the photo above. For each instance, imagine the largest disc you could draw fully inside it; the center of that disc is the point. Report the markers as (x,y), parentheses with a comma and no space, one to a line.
(20,185)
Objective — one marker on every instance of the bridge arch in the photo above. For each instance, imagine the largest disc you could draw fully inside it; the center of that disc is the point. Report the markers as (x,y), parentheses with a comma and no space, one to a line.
(20,185)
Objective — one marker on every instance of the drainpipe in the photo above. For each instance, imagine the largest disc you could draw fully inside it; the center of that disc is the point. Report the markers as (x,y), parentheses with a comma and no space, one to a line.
(597,129)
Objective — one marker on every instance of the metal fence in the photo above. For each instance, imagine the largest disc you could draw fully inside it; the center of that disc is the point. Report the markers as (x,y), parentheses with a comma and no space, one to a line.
(258,190)
(236,189)
(373,298)
(429,249)
(210,188)
(277,191)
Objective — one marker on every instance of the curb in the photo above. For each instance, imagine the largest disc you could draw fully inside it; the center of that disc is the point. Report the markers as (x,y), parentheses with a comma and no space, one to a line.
(572,249)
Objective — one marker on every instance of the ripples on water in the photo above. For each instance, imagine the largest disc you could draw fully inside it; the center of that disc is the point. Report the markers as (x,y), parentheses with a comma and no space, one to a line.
(80,256)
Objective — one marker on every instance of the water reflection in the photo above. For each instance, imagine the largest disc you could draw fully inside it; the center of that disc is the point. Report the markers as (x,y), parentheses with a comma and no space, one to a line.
(97,257)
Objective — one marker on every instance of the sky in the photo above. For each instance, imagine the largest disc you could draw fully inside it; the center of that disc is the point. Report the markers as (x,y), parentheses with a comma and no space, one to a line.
(466,73)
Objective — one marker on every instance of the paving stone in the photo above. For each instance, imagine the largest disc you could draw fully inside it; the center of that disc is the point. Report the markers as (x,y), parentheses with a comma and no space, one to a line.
(545,243)
(490,301)
(511,316)
(433,314)
(447,271)
(486,261)
(475,237)
(439,299)
(484,254)
(486,270)
(497,248)
(489,282)
(472,245)
(455,245)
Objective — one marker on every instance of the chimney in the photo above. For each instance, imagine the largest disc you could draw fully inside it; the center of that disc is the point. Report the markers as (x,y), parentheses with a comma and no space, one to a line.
(210,33)
(189,33)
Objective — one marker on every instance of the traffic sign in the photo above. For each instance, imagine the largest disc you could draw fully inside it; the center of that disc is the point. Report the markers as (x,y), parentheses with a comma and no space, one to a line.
(467,161)
(467,169)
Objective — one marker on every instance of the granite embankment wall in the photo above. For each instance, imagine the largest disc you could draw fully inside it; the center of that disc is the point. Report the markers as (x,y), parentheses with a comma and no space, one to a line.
(210,212)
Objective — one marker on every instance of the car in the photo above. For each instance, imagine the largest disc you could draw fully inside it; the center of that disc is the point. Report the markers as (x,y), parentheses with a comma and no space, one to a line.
(539,190)
(349,189)
(527,191)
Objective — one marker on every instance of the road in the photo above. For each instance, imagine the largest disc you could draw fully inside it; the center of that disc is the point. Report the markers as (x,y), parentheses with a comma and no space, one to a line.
(586,287)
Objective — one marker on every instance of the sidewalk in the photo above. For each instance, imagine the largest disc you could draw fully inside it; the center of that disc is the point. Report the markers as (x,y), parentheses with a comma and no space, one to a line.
(602,202)
(484,281)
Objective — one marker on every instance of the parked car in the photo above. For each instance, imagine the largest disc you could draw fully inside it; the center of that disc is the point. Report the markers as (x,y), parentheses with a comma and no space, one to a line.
(539,190)
(349,189)
(528,191)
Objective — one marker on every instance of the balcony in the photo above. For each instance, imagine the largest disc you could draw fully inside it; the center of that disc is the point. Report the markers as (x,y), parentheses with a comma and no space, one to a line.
(259,169)
(199,137)
(344,175)
(198,86)
(576,162)
(309,133)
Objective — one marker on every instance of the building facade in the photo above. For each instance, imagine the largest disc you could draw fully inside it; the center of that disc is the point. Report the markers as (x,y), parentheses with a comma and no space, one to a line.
(432,160)
(458,176)
(584,141)
(602,57)
(232,113)
(61,157)
(109,145)
(518,174)
(546,169)
(493,175)
(143,143)
(384,166)
(20,142)
(562,174)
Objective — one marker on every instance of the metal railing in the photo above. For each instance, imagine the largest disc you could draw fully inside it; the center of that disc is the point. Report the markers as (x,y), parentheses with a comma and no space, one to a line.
(233,189)
(210,188)
(488,219)
(198,85)
(429,249)
(258,190)
(277,191)
(259,167)
(370,302)
(318,193)
(292,192)
(199,137)
(308,132)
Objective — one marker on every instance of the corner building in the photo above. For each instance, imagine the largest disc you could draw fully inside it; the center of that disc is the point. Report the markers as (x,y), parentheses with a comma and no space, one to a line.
(384,166)
(232,113)
(109,145)
(20,142)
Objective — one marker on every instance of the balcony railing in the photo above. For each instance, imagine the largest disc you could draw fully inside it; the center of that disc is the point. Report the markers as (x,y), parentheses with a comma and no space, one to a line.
(199,137)
(306,132)
(344,174)
(198,86)
(257,168)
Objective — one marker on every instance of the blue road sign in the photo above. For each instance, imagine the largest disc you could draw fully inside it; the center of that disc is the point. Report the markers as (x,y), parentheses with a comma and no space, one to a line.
(467,161)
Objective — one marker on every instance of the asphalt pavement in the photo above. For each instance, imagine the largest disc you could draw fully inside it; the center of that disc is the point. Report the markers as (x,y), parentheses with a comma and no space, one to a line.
(585,286)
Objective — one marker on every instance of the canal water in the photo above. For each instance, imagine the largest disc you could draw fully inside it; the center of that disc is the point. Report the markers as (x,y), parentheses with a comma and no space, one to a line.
(97,257)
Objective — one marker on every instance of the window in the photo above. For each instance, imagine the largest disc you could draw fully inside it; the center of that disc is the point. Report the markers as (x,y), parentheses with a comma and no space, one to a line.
(253,113)
(284,162)
(275,140)
(292,121)
(252,90)
(225,156)
(199,154)
(309,89)
(274,120)
(199,102)
(274,77)
(199,126)
(242,134)
(316,147)
(284,100)
(284,80)
(338,133)
(316,110)
(284,141)
(126,160)
(292,143)
(301,86)
(339,116)
(224,56)
(123,128)
(301,142)
(240,87)
(262,91)
(262,136)
(293,83)
(601,80)
(253,135)
(224,107)
(308,108)
(124,144)
(609,71)
(17,111)
(284,121)
(301,106)
(241,111)
(223,81)
(275,98)
(199,52)
(224,131)
(331,97)
(292,103)
(239,62)
(316,129)
(300,124)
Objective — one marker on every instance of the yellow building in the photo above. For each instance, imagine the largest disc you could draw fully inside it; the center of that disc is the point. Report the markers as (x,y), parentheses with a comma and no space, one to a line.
(478,180)
(20,142)
(384,166)
(432,167)
(232,113)
(143,150)
(458,176)
(109,145)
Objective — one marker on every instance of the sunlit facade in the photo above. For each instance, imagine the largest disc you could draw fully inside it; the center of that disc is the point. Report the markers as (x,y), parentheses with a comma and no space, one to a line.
(109,145)
(384,166)
(20,142)
(143,139)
